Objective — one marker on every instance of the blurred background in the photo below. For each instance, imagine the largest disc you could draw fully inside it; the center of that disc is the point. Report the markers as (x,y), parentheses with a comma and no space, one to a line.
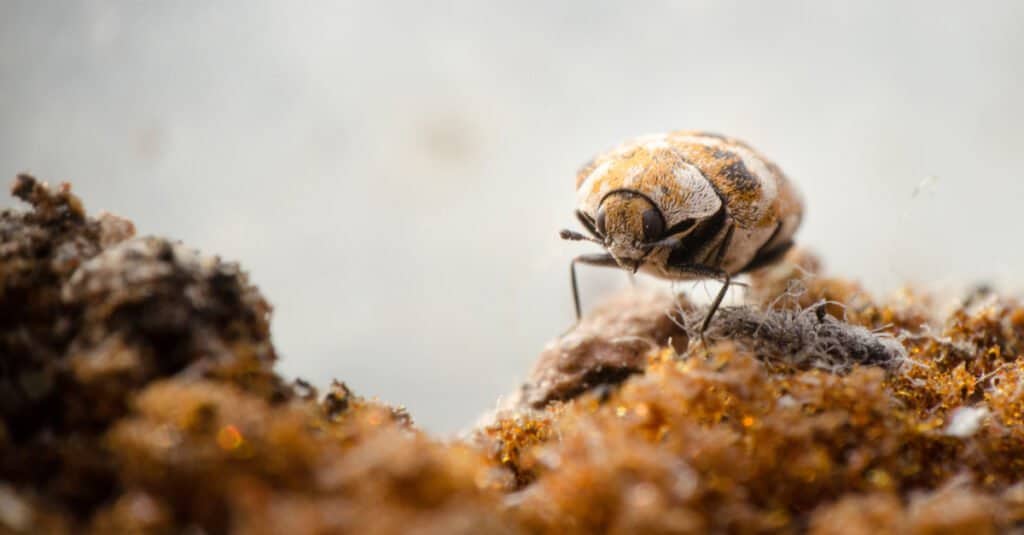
(393,174)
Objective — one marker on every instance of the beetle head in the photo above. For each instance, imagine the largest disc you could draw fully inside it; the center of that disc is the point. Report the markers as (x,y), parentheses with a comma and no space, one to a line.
(629,222)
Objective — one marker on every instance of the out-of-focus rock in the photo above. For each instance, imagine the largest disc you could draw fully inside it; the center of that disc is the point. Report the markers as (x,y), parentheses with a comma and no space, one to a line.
(153,308)
(140,397)
(39,250)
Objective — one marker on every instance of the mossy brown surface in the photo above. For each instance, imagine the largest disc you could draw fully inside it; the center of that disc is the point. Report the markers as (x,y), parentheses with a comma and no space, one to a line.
(140,396)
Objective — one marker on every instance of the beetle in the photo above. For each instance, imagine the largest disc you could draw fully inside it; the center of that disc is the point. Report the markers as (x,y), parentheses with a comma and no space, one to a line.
(684,205)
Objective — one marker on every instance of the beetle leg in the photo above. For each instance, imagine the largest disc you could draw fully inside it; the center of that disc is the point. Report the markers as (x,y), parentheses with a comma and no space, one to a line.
(712,271)
(594,259)
(723,246)
(715,304)
(706,272)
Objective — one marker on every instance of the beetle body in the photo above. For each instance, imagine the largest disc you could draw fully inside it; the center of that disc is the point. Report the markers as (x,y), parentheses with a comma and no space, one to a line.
(685,205)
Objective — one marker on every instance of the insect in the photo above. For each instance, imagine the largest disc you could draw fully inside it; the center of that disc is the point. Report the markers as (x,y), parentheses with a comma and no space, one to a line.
(684,205)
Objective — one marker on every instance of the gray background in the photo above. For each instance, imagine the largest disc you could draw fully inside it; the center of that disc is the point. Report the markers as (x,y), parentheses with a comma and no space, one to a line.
(393,175)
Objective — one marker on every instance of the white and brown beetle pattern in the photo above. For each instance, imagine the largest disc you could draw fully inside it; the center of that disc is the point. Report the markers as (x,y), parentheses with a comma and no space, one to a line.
(684,205)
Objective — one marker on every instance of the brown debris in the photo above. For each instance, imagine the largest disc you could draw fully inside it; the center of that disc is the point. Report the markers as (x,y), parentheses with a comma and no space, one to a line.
(607,346)
(138,395)
(298,456)
(798,283)
(794,420)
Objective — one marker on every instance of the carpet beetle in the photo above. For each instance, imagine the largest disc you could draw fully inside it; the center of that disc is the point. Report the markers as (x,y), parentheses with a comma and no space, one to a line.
(684,205)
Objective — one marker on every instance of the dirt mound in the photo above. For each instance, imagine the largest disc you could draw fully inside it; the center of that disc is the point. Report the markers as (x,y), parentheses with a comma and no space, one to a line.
(138,395)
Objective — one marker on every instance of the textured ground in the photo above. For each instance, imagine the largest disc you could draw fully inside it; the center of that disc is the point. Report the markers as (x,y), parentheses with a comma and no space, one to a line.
(139,395)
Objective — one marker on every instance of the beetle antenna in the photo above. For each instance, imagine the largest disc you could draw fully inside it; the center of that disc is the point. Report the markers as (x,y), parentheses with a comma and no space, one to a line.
(576,236)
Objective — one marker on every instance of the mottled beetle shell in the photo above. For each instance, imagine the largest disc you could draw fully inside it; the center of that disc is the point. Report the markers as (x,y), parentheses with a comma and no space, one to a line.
(744,208)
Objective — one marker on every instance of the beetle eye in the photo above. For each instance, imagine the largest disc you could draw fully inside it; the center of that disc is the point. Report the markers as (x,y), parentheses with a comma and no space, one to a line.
(600,222)
(654,225)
